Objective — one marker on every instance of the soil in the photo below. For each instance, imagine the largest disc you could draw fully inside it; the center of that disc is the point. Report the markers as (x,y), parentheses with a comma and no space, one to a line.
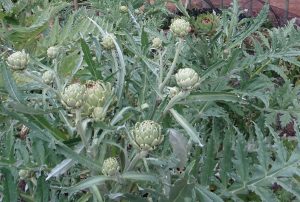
(277,8)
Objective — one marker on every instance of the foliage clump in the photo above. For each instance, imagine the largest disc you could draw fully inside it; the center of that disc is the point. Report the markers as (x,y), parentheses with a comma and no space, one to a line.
(109,107)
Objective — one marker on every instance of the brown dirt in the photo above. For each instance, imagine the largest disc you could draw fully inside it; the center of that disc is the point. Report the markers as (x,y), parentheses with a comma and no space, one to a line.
(277,7)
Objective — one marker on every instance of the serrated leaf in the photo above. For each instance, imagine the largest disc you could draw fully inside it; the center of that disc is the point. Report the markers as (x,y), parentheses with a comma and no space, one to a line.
(241,162)
(213,96)
(10,84)
(64,166)
(263,154)
(95,180)
(10,187)
(265,194)
(182,191)
(144,40)
(191,131)
(226,163)
(285,118)
(139,177)
(43,190)
(89,59)
(207,196)
(179,146)
(209,159)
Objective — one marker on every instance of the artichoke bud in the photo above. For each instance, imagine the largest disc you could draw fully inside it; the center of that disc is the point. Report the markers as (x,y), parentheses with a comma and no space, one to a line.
(180,27)
(108,42)
(23,174)
(52,52)
(207,23)
(74,96)
(98,114)
(18,60)
(147,135)
(156,43)
(110,167)
(123,9)
(187,78)
(96,94)
(172,91)
(48,77)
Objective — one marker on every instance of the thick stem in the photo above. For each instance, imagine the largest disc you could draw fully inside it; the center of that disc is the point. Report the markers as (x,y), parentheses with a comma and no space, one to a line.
(79,127)
(96,193)
(161,68)
(137,157)
(172,68)
(56,76)
(181,95)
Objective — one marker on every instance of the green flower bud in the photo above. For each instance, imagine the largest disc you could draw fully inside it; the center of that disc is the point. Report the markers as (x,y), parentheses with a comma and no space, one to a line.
(98,114)
(96,94)
(18,60)
(110,167)
(48,77)
(123,9)
(172,91)
(23,174)
(147,135)
(52,52)
(207,23)
(156,43)
(108,42)
(74,96)
(180,27)
(187,78)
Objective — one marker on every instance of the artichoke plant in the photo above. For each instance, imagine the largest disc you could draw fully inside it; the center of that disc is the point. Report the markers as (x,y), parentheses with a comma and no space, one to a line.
(147,135)
(96,94)
(180,27)
(18,60)
(52,52)
(110,166)
(74,96)
(187,78)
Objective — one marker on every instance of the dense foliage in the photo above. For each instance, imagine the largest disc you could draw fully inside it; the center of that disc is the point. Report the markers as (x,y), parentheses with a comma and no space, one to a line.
(113,102)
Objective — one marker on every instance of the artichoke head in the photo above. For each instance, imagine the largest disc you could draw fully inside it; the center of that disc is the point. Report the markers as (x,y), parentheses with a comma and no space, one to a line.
(180,27)
(18,60)
(96,94)
(52,52)
(187,78)
(147,135)
(48,77)
(207,23)
(74,96)
(110,167)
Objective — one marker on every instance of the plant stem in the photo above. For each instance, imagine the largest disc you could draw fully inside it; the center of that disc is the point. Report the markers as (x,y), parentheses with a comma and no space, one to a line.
(172,68)
(57,79)
(96,192)
(137,157)
(79,127)
(181,95)
(161,67)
